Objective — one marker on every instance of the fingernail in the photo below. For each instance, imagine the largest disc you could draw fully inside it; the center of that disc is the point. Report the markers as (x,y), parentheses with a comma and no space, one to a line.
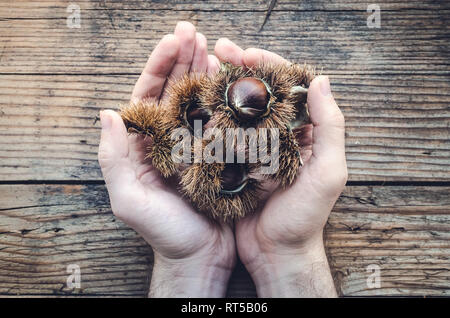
(325,86)
(183,23)
(105,119)
(165,37)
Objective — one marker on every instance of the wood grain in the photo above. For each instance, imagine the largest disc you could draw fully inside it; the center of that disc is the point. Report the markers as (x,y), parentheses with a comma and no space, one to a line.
(42,8)
(392,83)
(49,132)
(44,228)
(116,41)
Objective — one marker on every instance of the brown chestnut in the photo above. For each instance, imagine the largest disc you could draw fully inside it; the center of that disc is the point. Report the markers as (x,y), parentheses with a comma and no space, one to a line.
(248,98)
(194,112)
(233,178)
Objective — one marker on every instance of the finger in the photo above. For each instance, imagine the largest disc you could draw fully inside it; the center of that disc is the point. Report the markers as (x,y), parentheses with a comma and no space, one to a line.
(327,119)
(227,51)
(200,59)
(113,148)
(117,169)
(185,32)
(213,65)
(158,67)
(252,57)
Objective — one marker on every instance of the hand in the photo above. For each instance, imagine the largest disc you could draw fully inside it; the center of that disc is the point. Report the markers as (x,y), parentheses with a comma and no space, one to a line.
(282,245)
(193,256)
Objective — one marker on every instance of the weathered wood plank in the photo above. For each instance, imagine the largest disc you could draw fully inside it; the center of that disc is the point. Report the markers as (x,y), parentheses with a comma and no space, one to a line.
(392,83)
(41,8)
(43,228)
(48,127)
(115,40)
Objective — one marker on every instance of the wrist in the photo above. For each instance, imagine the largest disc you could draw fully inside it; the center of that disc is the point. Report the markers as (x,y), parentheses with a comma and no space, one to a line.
(189,278)
(294,271)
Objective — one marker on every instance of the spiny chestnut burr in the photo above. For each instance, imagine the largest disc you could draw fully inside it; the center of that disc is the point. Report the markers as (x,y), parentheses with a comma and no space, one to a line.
(268,96)
(248,98)
(233,179)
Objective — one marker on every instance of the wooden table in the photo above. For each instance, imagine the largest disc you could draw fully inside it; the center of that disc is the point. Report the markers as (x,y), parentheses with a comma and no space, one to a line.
(392,83)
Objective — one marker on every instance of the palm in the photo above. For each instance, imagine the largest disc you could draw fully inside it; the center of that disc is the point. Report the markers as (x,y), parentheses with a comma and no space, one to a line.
(293,216)
(274,223)
(138,194)
(297,214)
(177,230)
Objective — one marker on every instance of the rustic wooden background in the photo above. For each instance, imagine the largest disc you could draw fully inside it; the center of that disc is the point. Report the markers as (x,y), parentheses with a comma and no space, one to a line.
(392,83)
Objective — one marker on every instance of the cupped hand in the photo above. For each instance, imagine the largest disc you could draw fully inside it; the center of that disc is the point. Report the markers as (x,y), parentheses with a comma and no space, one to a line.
(283,243)
(193,255)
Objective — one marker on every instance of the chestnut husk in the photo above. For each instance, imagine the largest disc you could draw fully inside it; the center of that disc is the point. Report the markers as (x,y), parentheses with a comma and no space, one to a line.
(265,96)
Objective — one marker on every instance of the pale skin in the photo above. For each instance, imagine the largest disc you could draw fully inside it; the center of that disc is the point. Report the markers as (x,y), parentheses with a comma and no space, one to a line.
(281,245)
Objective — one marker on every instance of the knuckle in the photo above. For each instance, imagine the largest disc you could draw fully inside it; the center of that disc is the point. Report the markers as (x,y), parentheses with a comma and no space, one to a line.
(117,213)
(339,178)
(106,166)
(334,177)
(342,178)
(102,157)
(118,210)
(339,119)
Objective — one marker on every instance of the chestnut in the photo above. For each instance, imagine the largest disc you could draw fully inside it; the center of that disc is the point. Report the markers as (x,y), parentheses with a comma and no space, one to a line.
(195,112)
(248,98)
(233,179)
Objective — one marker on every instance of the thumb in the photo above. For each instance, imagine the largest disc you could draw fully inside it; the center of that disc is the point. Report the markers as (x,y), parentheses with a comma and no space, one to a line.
(113,147)
(328,121)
